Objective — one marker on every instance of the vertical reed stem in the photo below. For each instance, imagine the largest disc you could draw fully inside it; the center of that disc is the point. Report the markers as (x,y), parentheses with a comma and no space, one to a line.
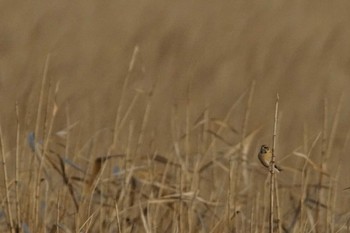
(272,166)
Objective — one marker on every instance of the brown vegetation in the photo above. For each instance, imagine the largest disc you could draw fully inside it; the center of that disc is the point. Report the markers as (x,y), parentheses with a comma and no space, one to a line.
(147,116)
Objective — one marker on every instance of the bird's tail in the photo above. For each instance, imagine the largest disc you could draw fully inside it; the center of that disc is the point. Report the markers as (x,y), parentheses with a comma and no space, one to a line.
(278,168)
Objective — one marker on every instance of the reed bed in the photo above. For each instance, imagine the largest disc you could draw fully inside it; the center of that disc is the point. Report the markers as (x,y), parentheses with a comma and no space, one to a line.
(148,117)
(202,184)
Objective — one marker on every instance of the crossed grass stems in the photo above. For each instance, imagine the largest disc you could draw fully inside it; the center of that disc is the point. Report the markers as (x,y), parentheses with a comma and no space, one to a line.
(208,191)
(139,190)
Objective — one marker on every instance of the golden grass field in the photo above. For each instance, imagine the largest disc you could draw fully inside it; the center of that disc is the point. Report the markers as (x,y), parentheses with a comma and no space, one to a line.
(147,116)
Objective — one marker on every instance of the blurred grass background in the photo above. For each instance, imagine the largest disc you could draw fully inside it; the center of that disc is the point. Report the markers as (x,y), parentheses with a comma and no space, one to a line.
(214,49)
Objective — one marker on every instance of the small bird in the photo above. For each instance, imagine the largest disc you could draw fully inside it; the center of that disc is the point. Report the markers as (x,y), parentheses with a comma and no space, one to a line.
(265,156)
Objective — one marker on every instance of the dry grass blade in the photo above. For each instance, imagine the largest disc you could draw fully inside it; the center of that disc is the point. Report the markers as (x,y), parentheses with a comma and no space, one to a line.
(63,133)
(144,221)
(231,150)
(186,196)
(122,97)
(97,167)
(66,180)
(312,163)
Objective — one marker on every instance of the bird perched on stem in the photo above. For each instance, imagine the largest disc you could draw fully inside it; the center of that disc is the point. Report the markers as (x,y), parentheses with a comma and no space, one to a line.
(265,156)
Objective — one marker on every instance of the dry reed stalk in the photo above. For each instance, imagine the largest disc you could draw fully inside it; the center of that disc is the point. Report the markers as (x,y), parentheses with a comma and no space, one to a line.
(122,97)
(101,216)
(91,184)
(87,223)
(17,169)
(127,177)
(44,152)
(233,183)
(327,146)
(67,182)
(86,187)
(332,201)
(187,125)
(6,182)
(334,127)
(184,173)
(151,171)
(252,216)
(46,123)
(179,174)
(41,96)
(36,132)
(38,179)
(144,220)
(67,136)
(322,164)
(161,189)
(46,203)
(204,164)
(118,217)
(232,190)
(266,199)
(272,167)
(243,135)
(65,132)
(181,188)
(258,215)
(304,186)
(55,227)
(145,119)
(305,181)
(194,187)
(241,167)
(278,214)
